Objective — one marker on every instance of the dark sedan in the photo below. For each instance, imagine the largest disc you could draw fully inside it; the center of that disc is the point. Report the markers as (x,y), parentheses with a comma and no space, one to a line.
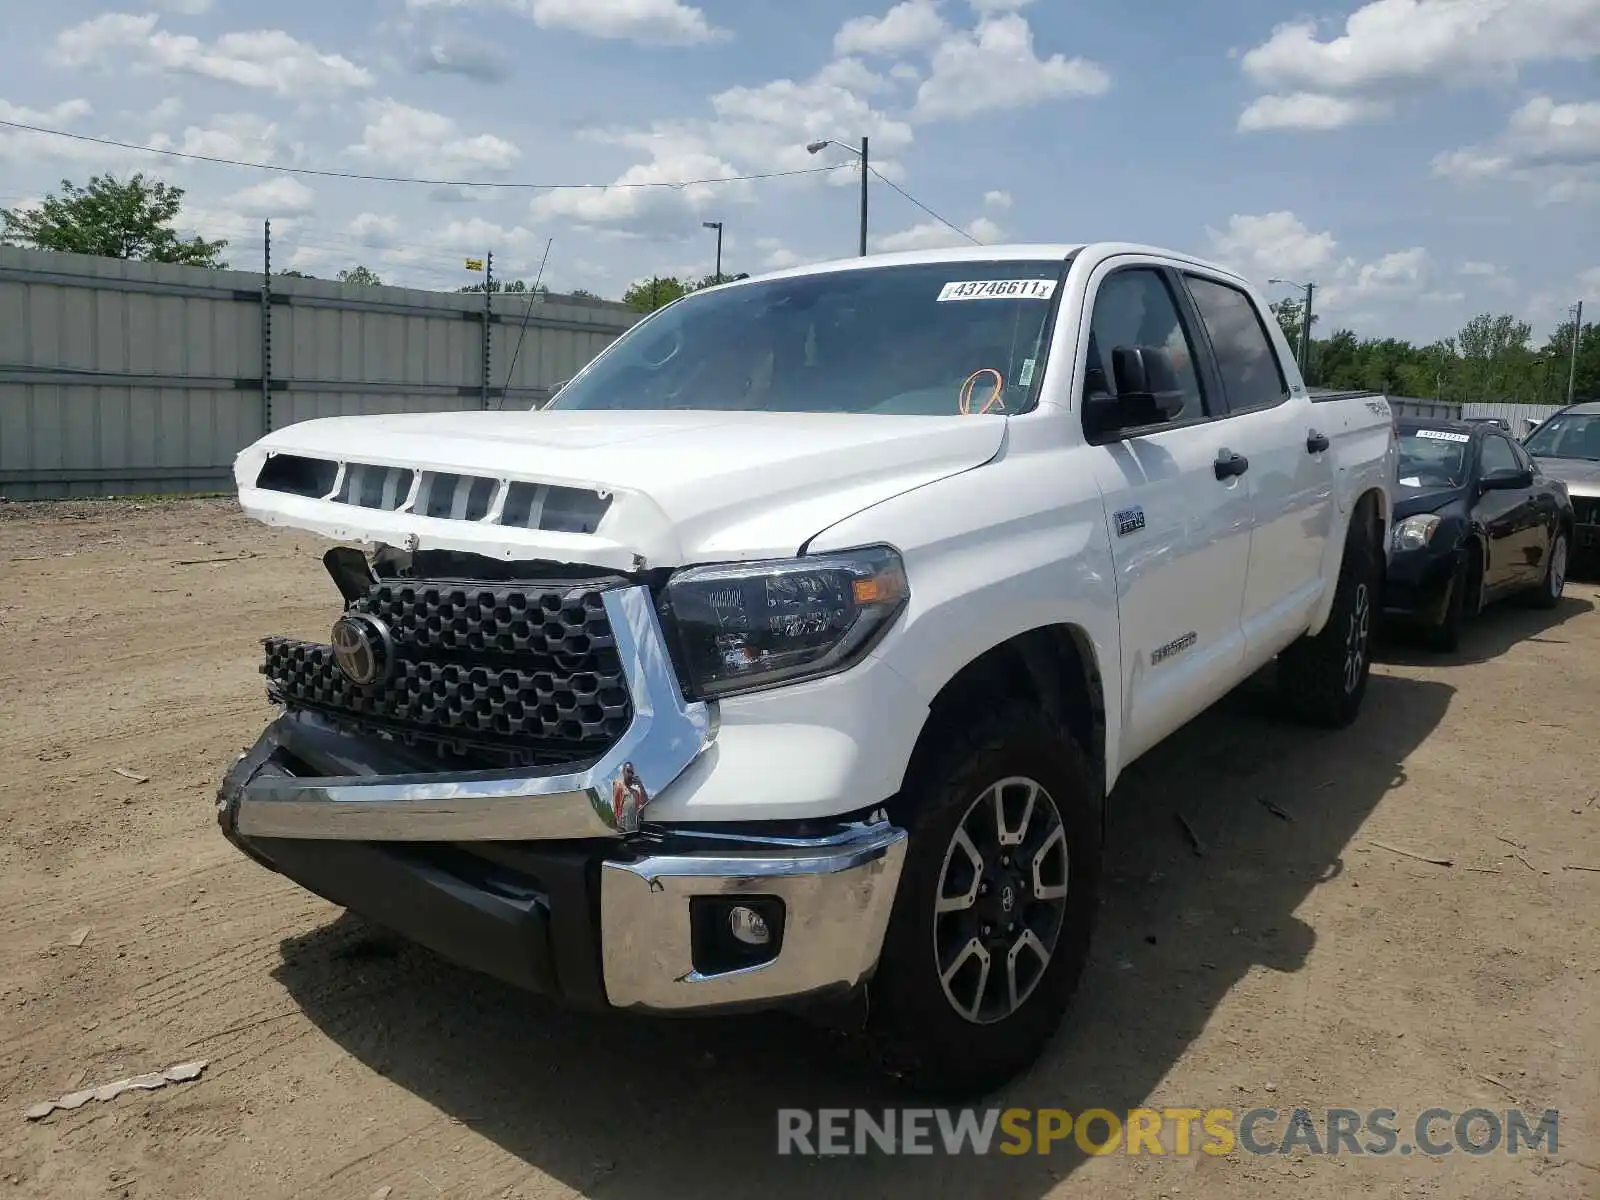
(1474,520)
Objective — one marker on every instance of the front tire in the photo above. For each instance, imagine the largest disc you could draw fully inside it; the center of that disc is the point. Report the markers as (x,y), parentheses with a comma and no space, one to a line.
(995,909)
(1554,582)
(1323,679)
(1445,637)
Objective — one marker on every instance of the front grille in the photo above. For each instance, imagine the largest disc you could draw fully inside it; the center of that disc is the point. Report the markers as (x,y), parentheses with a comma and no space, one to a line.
(511,673)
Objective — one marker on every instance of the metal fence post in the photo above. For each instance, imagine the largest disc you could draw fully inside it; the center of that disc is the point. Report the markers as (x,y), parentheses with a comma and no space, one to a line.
(266,326)
(488,322)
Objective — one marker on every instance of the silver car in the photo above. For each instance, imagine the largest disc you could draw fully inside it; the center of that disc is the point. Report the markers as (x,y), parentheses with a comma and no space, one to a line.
(1567,447)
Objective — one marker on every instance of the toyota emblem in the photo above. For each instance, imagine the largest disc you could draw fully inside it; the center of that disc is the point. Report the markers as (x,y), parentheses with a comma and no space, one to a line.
(362,648)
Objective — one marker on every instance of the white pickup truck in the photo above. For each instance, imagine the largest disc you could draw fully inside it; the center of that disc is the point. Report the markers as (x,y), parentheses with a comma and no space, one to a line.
(790,653)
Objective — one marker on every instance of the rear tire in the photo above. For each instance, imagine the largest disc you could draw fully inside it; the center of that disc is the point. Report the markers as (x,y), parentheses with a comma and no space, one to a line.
(972,984)
(1555,573)
(1322,679)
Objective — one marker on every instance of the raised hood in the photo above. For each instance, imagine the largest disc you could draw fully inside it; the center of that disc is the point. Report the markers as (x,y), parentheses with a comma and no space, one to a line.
(612,488)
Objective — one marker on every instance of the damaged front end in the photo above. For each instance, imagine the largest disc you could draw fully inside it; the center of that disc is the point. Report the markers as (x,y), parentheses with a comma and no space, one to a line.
(493,707)
(469,760)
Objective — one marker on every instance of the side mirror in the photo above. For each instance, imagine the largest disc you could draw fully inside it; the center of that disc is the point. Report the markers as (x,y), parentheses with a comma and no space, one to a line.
(1147,390)
(1506,481)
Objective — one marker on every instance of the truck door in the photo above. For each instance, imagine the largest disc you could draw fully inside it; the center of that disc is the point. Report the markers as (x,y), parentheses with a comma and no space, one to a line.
(1178,512)
(1291,466)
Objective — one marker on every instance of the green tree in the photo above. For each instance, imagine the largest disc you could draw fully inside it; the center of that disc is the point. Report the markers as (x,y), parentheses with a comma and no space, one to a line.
(360,276)
(1556,360)
(510,287)
(656,292)
(114,219)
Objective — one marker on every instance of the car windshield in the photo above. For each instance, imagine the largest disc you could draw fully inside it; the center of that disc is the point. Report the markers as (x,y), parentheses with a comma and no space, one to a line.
(924,339)
(1570,435)
(1433,458)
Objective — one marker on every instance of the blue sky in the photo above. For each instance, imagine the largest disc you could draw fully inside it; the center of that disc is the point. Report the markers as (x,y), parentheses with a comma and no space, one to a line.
(1422,160)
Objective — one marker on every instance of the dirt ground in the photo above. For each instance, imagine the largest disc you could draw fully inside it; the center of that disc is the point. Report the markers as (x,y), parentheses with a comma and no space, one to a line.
(1296,961)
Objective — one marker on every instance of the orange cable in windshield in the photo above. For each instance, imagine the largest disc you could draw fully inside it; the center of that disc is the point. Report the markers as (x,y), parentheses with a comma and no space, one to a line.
(965,401)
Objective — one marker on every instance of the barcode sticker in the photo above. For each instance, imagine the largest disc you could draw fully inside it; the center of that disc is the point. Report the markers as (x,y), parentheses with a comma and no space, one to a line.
(998,289)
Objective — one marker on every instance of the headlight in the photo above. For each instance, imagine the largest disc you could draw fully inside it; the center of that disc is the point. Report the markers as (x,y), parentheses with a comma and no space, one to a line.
(743,626)
(1415,532)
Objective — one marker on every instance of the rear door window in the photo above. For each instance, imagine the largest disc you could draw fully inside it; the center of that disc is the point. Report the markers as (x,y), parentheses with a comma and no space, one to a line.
(1252,377)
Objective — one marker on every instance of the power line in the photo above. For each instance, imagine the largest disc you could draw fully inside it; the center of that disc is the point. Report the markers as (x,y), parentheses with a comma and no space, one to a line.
(949,224)
(357,175)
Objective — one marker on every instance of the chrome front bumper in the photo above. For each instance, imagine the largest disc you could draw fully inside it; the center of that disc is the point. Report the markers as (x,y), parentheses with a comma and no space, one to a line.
(532,877)
(666,734)
(836,891)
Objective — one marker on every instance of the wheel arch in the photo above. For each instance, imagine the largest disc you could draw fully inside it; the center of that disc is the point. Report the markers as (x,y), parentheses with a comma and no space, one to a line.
(1052,666)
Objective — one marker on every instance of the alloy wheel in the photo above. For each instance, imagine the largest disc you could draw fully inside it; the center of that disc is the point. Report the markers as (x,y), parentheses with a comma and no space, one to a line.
(1356,638)
(1001,900)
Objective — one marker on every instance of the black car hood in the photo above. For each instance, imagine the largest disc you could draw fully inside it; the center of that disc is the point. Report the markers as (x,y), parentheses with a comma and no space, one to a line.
(1410,502)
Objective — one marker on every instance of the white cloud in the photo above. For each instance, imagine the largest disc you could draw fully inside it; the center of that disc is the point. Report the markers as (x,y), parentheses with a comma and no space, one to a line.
(379,230)
(55,116)
(1553,147)
(184,8)
(467,57)
(242,137)
(1481,269)
(1275,243)
(756,129)
(648,22)
(997,199)
(1280,245)
(1388,42)
(648,209)
(283,196)
(265,59)
(935,235)
(660,22)
(1589,281)
(908,26)
(1308,110)
(994,66)
(401,136)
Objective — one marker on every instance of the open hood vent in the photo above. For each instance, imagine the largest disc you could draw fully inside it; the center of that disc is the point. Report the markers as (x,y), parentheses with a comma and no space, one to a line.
(442,494)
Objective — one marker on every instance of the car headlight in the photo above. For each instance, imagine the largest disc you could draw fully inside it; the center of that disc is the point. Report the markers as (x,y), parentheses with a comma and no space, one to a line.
(744,626)
(1415,532)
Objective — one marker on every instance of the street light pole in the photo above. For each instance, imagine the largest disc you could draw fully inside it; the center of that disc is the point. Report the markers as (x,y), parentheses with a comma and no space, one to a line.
(1303,350)
(717,225)
(862,154)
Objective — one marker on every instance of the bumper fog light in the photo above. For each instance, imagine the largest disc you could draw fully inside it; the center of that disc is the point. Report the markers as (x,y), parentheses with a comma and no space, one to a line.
(746,925)
(732,933)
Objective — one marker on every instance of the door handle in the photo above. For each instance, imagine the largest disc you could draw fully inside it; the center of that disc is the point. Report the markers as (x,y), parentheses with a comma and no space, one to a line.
(1229,464)
(1316,442)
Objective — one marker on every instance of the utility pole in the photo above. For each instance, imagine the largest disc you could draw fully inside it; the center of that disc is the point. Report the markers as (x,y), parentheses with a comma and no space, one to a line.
(266,325)
(717,225)
(863,195)
(1305,336)
(1577,336)
(488,320)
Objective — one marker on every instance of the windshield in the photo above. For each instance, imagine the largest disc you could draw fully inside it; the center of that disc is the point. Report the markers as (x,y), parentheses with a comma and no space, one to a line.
(1571,435)
(1433,458)
(925,339)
